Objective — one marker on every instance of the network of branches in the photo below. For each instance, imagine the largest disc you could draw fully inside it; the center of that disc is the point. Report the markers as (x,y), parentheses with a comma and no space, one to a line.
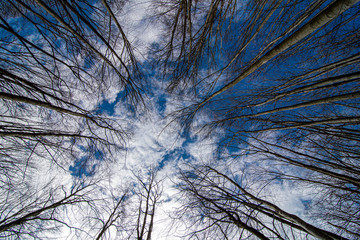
(275,82)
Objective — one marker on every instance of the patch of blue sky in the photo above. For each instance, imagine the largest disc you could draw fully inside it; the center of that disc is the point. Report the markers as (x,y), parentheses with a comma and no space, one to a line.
(283,68)
(18,23)
(88,61)
(86,165)
(150,88)
(191,175)
(80,168)
(107,107)
(176,155)
(238,179)
(161,104)
(189,138)
(147,89)
(232,142)
(307,203)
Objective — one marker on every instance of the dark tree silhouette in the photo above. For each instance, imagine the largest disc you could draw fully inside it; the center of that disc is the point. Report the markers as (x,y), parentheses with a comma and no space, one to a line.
(57,60)
(221,204)
(33,214)
(277,81)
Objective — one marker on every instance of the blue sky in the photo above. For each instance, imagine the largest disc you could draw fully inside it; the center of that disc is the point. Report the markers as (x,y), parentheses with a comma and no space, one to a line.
(155,140)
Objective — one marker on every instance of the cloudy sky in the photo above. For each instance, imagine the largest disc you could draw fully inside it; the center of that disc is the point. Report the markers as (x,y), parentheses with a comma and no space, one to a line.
(158,142)
(244,116)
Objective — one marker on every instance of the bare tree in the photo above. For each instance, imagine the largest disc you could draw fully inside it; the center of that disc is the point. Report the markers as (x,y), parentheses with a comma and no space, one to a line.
(130,213)
(191,29)
(279,80)
(288,94)
(148,200)
(52,53)
(227,206)
(277,71)
(78,26)
(116,216)
(324,162)
(35,214)
(327,15)
(57,59)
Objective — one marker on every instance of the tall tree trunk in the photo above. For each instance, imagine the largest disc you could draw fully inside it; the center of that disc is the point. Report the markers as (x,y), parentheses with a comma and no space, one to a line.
(325,16)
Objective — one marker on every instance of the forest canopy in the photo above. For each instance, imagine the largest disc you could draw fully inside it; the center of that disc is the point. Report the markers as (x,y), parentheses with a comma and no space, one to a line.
(179,119)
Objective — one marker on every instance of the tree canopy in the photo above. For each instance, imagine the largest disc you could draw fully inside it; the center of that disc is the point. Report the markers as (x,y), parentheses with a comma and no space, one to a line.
(179,119)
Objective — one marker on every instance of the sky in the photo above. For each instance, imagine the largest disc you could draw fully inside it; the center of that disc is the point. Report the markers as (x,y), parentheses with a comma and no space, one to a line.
(156,144)
(154,141)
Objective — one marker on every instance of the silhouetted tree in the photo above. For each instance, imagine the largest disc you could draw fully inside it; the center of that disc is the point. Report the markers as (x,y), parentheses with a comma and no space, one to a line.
(222,204)
(33,214)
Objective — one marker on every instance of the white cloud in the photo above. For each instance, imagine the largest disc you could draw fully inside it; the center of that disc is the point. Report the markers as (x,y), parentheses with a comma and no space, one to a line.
(138,27)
